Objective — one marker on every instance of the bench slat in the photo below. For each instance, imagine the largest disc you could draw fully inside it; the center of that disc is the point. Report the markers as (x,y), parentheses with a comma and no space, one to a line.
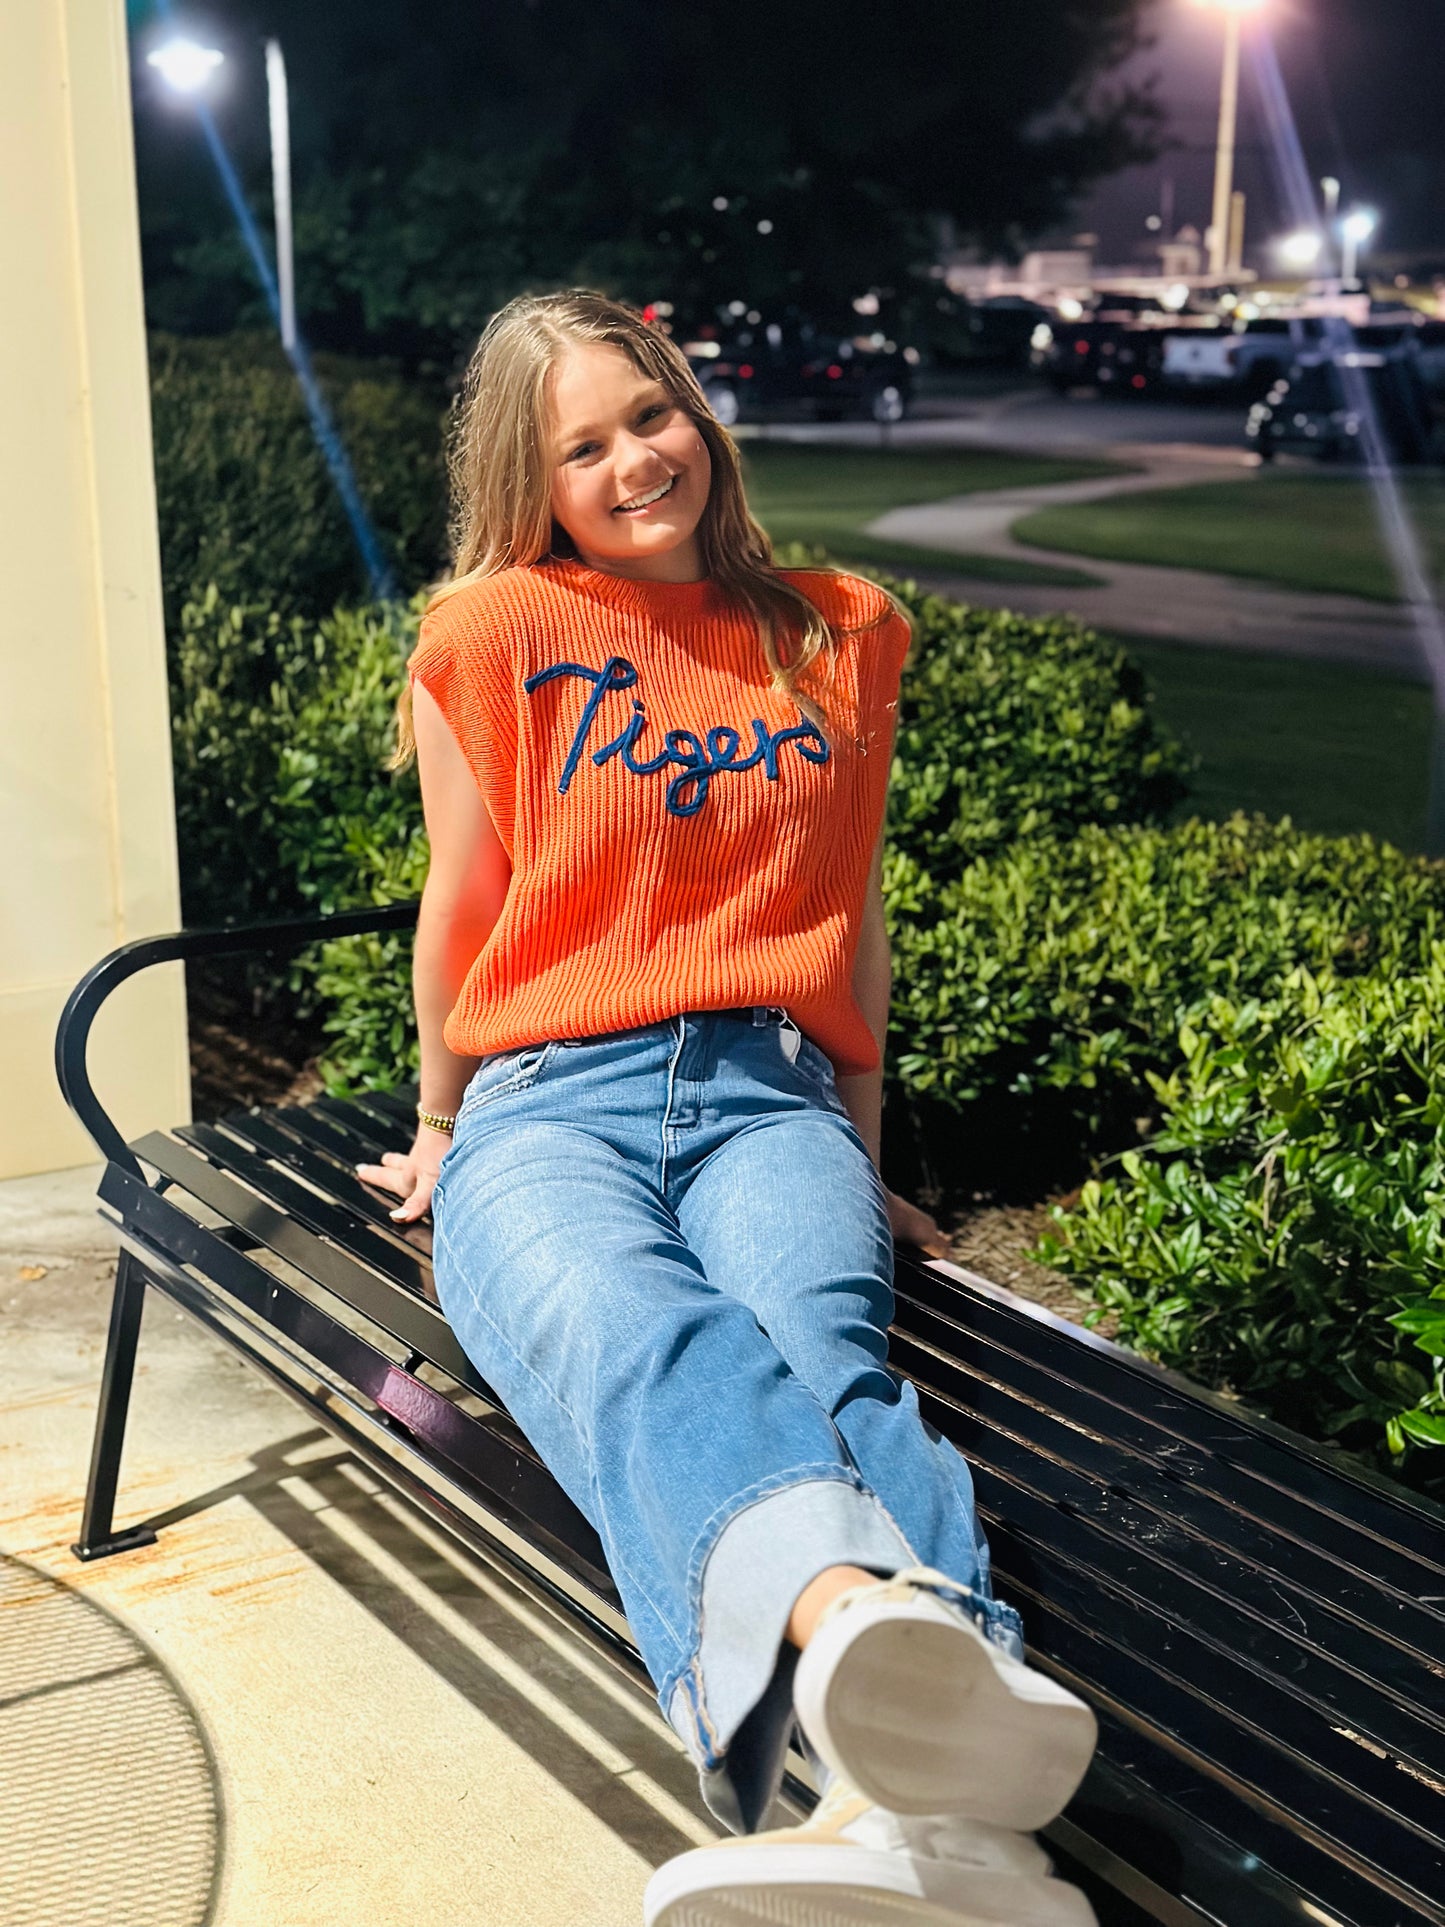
(1393,1592)
(310,1125)
(1171,1815)
(1188,1524)
(1287,1469)
(1197,1689)
(327,1215)
(1205,1622)
(414,1320)
(477,1452)
(321,1166)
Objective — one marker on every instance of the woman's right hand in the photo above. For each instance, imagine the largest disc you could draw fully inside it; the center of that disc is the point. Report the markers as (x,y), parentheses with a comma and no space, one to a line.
(410,1175)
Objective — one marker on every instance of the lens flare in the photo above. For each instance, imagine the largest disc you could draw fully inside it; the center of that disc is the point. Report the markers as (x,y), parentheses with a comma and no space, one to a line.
(1397,530)
(323,427)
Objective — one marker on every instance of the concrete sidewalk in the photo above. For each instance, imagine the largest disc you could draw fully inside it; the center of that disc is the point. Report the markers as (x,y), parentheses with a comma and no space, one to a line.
(398,1736)
(1133,599)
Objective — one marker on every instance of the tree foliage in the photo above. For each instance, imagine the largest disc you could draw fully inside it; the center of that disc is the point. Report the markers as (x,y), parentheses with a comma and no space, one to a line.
(447,157)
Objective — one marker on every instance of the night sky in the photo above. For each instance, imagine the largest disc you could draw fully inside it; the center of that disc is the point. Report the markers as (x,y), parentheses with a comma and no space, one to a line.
(1367,81)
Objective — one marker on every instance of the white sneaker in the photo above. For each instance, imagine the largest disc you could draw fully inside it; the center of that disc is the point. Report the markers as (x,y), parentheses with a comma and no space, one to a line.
(853,1865)
(901,1693)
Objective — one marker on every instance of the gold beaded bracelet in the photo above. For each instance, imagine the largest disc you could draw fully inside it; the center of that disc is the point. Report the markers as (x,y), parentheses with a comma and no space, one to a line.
(434,1121)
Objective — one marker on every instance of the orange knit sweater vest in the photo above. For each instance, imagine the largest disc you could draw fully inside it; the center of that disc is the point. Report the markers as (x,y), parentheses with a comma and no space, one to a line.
(681,838)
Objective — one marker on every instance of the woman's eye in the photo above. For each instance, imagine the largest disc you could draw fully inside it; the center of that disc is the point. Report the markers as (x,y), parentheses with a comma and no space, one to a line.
(658,408)
(586,448)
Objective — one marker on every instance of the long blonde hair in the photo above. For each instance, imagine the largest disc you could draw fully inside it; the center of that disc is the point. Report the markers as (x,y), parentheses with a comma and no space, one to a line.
(501,483)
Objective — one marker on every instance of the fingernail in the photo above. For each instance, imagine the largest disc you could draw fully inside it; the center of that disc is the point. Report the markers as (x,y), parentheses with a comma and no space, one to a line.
(394,1214)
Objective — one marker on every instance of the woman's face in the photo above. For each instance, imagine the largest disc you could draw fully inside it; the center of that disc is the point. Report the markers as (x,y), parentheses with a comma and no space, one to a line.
(630,472)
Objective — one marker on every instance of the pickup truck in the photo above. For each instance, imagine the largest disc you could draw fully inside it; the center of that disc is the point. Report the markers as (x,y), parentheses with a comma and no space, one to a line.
(1265,350)
(1202,358)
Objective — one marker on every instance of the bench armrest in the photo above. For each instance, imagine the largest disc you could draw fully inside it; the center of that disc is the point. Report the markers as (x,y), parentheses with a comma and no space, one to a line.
(72,1036)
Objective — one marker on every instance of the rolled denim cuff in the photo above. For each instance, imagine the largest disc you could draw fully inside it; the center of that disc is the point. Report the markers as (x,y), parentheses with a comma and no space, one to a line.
(769,1550)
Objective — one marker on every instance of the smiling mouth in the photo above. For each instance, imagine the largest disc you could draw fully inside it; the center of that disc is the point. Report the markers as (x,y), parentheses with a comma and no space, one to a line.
(640,502)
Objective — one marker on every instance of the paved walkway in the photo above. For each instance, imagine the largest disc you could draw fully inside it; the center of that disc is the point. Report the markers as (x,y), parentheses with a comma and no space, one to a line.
(1132,599)
(397,1734)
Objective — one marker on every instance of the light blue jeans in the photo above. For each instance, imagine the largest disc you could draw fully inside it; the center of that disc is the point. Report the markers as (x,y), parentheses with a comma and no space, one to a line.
(667,1250)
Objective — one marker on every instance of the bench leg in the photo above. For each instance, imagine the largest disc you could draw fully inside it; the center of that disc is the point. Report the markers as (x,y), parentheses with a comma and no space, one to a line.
(98,1537)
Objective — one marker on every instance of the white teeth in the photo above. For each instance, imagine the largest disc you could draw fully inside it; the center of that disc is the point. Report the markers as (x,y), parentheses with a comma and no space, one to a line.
(641,501)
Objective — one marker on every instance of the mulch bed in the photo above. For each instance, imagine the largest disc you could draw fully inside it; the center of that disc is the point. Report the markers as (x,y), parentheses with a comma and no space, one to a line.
(245,1053)
(996,1242)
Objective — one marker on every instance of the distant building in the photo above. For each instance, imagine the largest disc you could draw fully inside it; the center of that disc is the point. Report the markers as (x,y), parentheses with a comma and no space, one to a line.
(1183,257)
(1055,276)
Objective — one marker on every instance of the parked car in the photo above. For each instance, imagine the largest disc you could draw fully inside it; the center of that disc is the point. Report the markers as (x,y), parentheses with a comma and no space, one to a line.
(760,368)
(1112,356)
(1413,333)
(1319,408)
(1000,329)
(1430,346)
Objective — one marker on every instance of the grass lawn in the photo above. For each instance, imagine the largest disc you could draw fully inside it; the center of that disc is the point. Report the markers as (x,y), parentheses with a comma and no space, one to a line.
(822,495)
(1336,749)
(1314,532)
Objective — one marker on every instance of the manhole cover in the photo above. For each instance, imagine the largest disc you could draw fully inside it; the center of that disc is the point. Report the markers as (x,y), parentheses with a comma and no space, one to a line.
(108,1805)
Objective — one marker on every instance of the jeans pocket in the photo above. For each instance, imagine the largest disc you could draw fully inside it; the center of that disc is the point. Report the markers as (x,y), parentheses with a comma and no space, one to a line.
(502,1073)
(817,1068)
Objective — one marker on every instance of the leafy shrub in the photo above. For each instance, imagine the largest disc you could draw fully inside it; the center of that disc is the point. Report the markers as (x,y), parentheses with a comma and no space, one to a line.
(1014,727)
(1284,1233)
(280,729)
(1063,967)
(244,496)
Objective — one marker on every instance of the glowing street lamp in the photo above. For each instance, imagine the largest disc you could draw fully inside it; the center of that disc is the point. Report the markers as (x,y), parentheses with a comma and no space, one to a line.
(1355,231)
(1234,12)
(187,67)
(1301,250)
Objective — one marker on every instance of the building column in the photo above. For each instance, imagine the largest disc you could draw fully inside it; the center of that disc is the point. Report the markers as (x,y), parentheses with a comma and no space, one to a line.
(87,822)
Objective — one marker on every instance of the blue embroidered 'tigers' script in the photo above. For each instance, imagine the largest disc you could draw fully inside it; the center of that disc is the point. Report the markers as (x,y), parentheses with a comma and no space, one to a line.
(697,765)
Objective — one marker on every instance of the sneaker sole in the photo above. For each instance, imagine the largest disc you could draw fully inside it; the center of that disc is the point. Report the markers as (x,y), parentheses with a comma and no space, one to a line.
(918,1716)
(781,1886)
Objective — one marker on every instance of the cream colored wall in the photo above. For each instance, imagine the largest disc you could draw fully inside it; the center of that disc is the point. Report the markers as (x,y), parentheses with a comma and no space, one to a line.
(87,827)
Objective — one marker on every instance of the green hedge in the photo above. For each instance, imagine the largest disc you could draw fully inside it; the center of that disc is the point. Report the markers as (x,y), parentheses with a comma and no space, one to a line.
(1284,1233)
(1014,727)
(280,730)
(1061,968)
(244,497)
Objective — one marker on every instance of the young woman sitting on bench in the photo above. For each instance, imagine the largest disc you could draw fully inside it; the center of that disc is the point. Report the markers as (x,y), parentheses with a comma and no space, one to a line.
(652,981)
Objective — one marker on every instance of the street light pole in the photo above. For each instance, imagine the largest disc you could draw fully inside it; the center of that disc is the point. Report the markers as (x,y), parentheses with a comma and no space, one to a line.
(1355,231)
(281,189)
(1224,151)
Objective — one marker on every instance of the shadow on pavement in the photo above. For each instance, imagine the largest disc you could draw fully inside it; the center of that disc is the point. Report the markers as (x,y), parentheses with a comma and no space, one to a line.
(110,1806)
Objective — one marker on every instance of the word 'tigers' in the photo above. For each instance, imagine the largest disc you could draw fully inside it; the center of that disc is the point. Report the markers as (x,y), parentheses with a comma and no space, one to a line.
(698,762)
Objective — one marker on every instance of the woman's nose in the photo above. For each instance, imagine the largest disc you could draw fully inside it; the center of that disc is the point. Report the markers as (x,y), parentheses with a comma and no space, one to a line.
(632,455)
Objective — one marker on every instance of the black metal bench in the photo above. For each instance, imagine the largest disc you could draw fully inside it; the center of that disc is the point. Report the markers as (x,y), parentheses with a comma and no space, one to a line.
(1261,1628)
